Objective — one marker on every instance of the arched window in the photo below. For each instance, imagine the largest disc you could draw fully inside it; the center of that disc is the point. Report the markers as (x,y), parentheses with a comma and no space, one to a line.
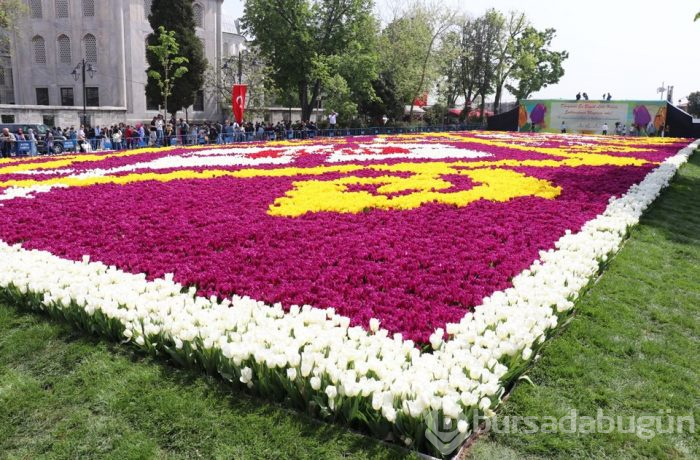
(147,7)
(39,46)
(198,15)
(36,9)
(90,46)
(64,54)
(62,8)
(89,8)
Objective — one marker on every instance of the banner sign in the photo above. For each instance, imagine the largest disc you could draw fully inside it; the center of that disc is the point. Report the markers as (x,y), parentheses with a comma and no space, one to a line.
(588,117)
(238,102)
(24,148)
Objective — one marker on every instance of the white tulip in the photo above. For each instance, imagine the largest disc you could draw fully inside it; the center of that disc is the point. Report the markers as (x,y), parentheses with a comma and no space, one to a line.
(246,375)
(462,426)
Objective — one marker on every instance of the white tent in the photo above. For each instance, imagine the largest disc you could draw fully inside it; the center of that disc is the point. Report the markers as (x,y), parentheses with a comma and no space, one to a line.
(416,110)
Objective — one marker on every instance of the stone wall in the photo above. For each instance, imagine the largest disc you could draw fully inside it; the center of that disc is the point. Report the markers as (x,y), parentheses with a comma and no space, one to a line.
(64,117)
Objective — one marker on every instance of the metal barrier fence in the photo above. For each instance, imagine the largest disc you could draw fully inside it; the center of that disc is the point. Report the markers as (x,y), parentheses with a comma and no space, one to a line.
(29,148)
(34,148)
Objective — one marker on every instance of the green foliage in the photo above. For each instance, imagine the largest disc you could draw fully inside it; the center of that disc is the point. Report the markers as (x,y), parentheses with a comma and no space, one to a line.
(339,98)
(694,104)
(176,16)
(10,12)
(508,52)
(409,44)
(489,33)
(166,53)
(493,52)
(476,64)
(537,65)
(697,16)
(448,61)
(331,49)
(404,43)
(436,115)
(386,102)
(312,45)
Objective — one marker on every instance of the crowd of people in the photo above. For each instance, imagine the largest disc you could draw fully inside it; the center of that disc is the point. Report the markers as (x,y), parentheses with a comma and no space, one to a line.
(159,133)
(621,129)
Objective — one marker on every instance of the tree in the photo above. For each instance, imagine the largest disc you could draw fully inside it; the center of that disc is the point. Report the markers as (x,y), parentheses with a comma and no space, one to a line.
(489,30)
(468,66)
(448,57)
(11,11)
(166,52)
(439,20)
(697,16)
(307,41)
(386,102)
(477,60)
(347,78)
(176,16)
(507,57)
(537,66)
(694,104)
(403,44)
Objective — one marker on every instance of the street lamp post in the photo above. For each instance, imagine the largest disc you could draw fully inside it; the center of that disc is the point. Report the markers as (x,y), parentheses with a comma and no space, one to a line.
(241,54)
(79,71)
(228,67)
(240,66)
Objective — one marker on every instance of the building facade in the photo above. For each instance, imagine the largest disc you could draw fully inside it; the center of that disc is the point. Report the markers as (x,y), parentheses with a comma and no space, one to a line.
(41,72)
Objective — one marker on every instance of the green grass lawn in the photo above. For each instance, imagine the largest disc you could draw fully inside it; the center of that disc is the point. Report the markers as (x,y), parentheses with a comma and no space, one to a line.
(66,395)
(633,349)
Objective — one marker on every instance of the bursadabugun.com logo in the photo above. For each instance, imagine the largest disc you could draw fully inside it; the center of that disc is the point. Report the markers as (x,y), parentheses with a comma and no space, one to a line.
(444,433)
(447,434)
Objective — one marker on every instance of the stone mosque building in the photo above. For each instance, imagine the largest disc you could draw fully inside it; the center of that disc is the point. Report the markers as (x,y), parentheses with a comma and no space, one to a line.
(37,79)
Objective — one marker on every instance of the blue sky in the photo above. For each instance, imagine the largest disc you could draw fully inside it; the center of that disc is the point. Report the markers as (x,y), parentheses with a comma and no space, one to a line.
(624,47)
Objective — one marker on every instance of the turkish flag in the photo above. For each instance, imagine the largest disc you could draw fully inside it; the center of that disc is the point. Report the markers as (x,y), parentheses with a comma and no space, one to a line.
(238,102)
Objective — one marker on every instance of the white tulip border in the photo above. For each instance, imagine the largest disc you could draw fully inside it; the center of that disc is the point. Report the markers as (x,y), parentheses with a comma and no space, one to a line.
(311,358)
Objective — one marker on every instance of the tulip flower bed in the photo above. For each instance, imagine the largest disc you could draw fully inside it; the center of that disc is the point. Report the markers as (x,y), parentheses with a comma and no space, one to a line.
(385,282)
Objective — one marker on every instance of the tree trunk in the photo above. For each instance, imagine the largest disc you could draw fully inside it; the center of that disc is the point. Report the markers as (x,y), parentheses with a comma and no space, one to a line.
(303,96)
(424,70)
(467,105)
(167,88)
(497,98)
(308,105)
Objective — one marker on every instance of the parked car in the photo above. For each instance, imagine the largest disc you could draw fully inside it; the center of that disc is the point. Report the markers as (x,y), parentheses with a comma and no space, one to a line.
(40,133)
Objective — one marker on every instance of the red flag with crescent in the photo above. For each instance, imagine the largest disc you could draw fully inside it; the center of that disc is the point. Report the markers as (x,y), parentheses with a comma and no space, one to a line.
(238,102)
